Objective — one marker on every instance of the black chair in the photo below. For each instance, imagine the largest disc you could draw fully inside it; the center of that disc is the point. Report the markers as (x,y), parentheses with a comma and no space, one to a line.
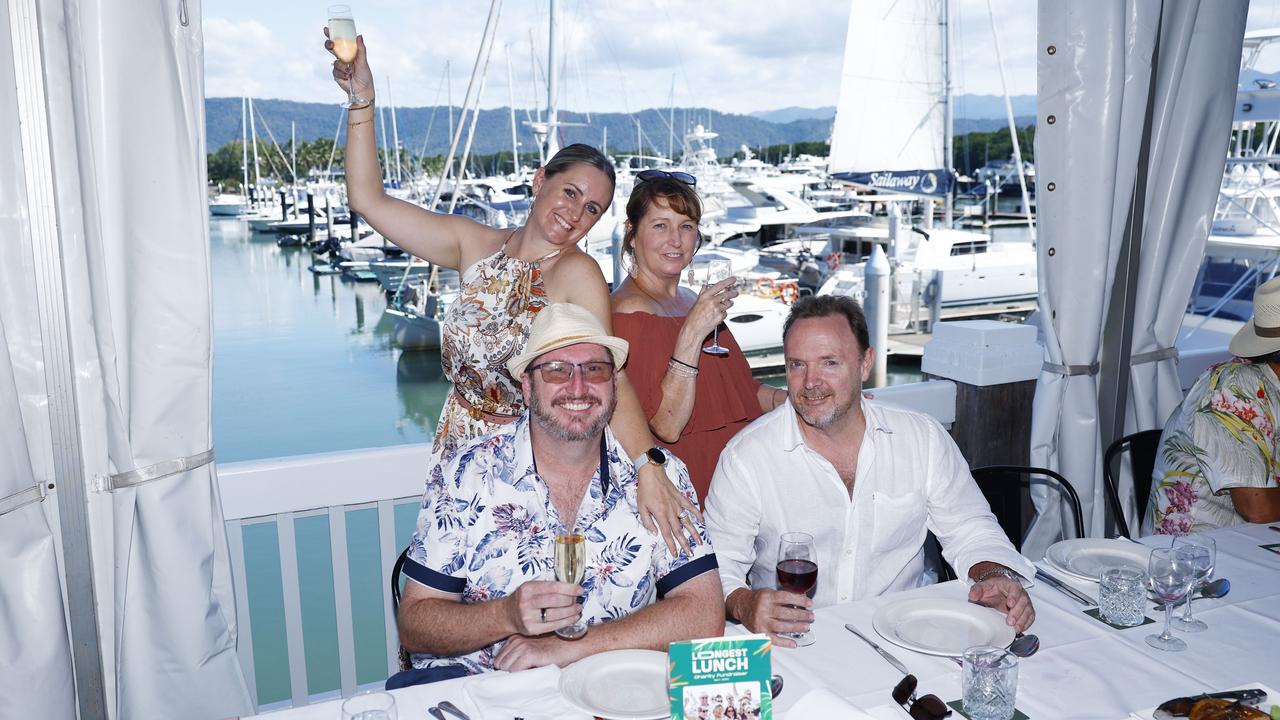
(395,602)
(1001,484)
(1142,448)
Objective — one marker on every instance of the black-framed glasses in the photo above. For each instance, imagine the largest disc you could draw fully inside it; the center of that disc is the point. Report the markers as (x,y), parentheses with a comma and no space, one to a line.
(683,177)
(558,372)
(929,707)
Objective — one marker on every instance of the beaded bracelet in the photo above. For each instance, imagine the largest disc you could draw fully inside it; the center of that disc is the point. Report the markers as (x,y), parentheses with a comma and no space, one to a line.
(681,369)
(681,362)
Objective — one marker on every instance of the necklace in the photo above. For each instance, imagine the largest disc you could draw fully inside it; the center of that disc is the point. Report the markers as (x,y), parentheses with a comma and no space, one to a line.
(662,307)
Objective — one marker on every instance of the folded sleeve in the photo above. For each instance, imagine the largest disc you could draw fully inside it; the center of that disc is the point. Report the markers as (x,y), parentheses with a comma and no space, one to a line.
(671,571)
(437,551)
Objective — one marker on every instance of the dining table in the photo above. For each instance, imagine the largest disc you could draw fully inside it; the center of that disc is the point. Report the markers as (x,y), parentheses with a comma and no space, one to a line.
(1084,668)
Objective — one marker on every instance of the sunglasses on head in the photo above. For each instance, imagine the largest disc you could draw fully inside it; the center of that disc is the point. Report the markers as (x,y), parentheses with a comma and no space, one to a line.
(558,372)
(683,177)
(929,707)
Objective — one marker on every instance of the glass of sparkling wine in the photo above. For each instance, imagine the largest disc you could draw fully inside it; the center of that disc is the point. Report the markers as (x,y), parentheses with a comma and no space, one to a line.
(717,270)
(369,706)
(571,561)
(342,31)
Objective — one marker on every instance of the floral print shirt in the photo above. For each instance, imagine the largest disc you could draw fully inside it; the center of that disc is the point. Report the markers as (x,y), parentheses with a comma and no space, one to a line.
(1221,437)
(487,525)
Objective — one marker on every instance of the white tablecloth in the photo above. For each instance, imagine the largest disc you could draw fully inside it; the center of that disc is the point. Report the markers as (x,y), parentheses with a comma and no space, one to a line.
(1084,669)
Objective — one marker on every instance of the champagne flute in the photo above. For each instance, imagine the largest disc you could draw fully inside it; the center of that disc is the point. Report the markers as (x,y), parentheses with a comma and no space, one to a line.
(717,270)
(342,32)
(1171,571)
(571,561)
(797,572)
(1204,551)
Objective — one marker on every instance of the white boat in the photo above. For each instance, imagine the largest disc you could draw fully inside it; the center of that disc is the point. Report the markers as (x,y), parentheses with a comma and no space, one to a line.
(391,270)
(226,205)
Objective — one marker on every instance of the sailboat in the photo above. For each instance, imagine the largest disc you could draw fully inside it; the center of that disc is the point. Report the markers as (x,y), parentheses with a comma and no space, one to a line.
(892,134)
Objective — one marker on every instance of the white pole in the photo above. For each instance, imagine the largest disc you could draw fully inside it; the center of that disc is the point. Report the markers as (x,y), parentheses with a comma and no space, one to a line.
(244,157)
(876,278)
(511,100)
(395,135)
(253,134)
(386,159)
(948,132)
(553,81)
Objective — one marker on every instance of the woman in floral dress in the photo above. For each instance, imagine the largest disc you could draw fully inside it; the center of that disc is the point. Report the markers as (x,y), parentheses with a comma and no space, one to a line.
(507,277)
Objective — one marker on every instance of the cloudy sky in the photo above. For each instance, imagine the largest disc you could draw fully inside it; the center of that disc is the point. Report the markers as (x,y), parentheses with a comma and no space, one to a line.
(622,55)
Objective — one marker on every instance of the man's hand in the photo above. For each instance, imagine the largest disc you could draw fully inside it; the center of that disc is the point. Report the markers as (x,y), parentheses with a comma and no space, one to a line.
(1007,596)
(540,606)
(772,612)
(522,653)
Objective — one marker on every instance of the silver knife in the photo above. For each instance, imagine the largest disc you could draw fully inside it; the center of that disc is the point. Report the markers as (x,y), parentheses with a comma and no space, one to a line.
(1064,588)
(453,710)
(884,654)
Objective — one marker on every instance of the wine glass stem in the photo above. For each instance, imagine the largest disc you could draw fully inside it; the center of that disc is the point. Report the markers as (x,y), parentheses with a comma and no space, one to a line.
(1186,612)
(1168,621)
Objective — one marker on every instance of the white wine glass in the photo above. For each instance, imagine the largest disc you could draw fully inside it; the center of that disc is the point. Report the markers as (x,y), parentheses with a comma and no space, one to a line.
(1171,571)
(1204,552)
(342,32)
(571,561)
(717,270)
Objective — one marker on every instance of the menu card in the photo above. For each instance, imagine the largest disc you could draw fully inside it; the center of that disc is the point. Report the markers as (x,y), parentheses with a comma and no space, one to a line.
(719,672)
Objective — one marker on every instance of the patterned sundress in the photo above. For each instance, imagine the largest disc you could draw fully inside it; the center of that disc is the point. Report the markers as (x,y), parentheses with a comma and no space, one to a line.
(484,328)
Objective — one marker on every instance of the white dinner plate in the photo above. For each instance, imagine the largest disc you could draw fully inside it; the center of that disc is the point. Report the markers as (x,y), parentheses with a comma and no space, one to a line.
(1086,558)
(619,685)
(941,626)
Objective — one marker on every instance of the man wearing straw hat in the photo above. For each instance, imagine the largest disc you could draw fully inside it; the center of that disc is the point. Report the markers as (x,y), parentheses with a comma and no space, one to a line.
(1217,464)
(482,559)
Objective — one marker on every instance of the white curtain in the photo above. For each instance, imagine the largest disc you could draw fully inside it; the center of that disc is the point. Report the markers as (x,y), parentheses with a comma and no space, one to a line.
(124,96)
(1095,86)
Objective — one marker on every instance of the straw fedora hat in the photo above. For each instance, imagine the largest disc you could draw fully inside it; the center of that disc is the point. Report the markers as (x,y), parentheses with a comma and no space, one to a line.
(1261,335)
(559,325)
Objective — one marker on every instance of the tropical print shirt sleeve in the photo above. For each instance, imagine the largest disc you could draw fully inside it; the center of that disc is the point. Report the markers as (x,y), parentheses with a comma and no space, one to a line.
(1222,437)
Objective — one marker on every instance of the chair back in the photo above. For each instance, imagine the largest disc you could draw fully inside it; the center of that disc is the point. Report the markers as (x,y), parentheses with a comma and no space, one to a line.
(1002,485)
(1142,448)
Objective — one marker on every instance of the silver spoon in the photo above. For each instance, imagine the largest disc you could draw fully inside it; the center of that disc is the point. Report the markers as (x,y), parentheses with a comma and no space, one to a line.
(1216,589)
(775,685)
(1025,645)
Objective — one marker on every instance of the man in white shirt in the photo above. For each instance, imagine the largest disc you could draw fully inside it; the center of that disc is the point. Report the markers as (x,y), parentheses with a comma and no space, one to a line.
(865,479)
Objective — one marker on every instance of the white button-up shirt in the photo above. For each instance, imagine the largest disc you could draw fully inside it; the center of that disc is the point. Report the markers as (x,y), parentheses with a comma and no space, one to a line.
(910,478)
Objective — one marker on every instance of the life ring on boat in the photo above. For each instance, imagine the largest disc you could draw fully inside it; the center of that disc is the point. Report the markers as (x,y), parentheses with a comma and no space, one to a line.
(833,261)
(789,291)
(765,287)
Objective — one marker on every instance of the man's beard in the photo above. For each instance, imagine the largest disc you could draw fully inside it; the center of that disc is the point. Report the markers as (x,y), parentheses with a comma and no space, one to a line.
(833,416)
(549,422)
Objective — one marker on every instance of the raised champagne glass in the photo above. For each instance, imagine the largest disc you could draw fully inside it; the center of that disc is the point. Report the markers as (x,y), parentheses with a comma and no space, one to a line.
(342,32)
(717,270)
(571,561)
(797,572)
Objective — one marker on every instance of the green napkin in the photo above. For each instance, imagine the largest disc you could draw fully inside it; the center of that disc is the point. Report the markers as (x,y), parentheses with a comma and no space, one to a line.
(957,705)
(1096,614)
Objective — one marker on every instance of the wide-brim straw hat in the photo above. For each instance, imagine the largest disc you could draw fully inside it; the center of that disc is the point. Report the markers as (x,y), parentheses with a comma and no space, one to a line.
(1261,335)
(560,325)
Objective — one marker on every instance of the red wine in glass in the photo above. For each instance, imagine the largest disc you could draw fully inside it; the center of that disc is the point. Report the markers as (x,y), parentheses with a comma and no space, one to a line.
(797,576)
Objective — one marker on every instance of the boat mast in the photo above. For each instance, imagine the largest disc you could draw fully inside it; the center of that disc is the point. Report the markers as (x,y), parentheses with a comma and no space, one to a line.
(253,133)
(244,151)
(948,134)
(395,135)
(553,80)
(511,100)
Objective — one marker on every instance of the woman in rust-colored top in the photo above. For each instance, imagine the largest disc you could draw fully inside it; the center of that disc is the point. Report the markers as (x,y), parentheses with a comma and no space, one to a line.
(694,401)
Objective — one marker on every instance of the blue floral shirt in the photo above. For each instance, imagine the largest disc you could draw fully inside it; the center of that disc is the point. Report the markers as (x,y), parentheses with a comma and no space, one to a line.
(487,525)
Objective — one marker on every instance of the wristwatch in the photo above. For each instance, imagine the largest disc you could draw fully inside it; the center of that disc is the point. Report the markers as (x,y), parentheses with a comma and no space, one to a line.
(653,455)
(1002,571)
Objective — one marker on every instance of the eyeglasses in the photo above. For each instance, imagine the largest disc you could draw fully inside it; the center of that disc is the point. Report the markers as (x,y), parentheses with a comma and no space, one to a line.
(683,177)
(929,707)
(558,372)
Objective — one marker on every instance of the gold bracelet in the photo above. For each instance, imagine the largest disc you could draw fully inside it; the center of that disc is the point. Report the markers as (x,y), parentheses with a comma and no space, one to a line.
(362,122)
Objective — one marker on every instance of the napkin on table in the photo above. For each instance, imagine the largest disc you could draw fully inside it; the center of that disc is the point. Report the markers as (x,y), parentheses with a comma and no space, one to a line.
(530,694)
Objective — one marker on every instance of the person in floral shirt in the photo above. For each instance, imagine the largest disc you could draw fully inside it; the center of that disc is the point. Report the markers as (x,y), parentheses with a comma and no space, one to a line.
(1218,463)
(482,559)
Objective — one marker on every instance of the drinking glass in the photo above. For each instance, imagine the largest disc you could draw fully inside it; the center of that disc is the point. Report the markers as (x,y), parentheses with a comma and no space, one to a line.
(1122,592)
(717,270)
(1171,572)
(797,573)
(1204,550)
(342,31)
(369,706)
(989,683)
(571,561)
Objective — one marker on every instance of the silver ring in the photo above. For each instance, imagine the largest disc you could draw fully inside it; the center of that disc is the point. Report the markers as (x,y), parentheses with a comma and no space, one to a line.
(543,612)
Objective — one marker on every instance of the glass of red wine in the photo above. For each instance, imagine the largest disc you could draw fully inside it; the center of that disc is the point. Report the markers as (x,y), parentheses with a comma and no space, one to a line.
(797,573)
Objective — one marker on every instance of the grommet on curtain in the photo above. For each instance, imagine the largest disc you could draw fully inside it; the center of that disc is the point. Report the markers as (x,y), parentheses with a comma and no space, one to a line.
(1051,119)
(183,19)
(1053,186)
(1053,251)
(1052,50)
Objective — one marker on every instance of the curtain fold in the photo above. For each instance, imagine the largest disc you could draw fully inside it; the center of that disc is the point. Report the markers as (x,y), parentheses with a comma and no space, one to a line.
(1095,87)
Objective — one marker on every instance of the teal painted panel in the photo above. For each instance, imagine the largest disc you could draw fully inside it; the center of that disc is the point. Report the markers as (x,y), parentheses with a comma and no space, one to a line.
(365,568)
(319,615)
(266,609)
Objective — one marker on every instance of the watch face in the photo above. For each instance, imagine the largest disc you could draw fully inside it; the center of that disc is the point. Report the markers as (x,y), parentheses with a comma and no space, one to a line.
(656,455)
